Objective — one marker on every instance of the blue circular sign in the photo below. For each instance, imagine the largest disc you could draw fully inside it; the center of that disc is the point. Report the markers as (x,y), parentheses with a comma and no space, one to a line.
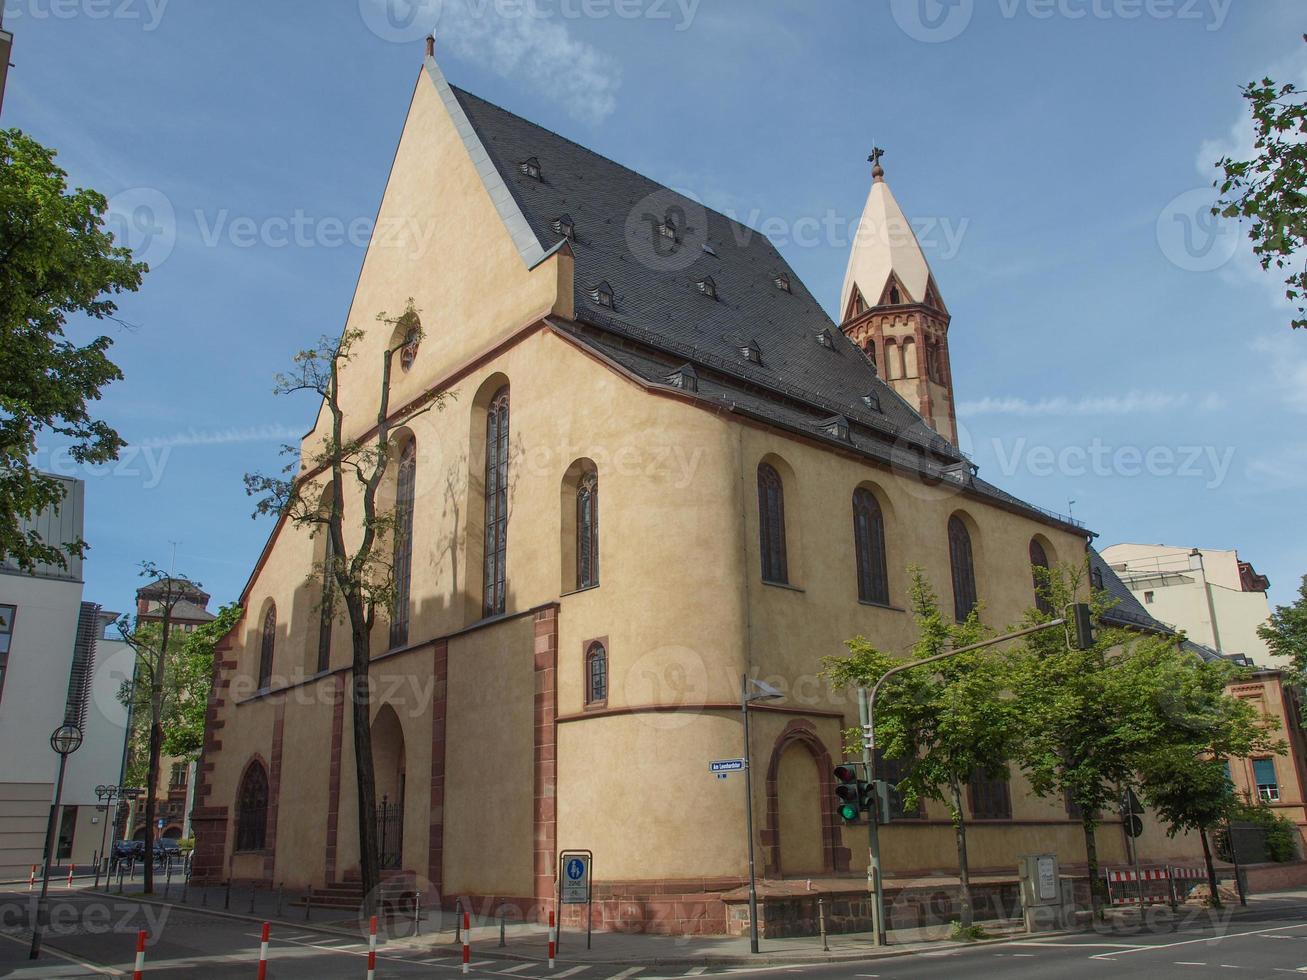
(575,869)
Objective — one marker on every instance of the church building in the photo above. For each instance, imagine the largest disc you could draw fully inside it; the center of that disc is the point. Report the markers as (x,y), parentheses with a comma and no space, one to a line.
(661,467)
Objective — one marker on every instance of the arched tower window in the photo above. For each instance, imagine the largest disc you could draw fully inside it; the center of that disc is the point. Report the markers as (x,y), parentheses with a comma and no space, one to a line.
(596,673)
(1039,559)
(771,525)
(403,544)
(964,572)
(267,642)
(869,543)
(496,548)
(252,809)
(587,531)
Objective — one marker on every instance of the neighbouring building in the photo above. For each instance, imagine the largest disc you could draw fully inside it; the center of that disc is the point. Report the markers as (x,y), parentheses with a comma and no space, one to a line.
(6,48)
(175,791)
(1218,599)
(50,676)
(666,468)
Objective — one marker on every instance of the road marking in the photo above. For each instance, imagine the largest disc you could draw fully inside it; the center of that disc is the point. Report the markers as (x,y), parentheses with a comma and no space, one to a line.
(1190,942)
(514,969)
(696,971)
(104,971)
(575,969)
(626,973)
(1084,945)
(1188,963)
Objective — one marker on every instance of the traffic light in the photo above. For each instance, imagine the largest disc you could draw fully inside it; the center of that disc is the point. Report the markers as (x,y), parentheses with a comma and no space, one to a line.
(848,793)
(877,795)
(1082,621)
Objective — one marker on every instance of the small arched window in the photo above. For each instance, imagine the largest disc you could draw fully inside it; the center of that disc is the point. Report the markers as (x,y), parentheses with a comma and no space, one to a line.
(869,543)
(587,531)
(1038,560)
(252,809)
(596,674)
(964,572)
(266,645)
(403,544)
(771,525)
(496,545)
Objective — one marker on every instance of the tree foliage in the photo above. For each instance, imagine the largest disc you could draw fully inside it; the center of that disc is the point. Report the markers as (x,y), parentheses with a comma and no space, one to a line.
(948,720)
(1269,190)
(56,260)
(1286,633)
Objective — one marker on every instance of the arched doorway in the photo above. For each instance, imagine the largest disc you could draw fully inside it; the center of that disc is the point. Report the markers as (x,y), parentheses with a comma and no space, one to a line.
(802,834)
(388,766)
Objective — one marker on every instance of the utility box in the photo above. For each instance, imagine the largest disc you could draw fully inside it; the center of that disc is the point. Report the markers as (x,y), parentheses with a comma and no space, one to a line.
(1042,896)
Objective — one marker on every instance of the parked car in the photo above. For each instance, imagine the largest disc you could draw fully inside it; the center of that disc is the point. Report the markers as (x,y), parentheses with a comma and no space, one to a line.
(126,850)
(167,848)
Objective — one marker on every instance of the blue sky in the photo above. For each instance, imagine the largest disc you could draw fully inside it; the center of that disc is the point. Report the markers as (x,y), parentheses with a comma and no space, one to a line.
(1108,345)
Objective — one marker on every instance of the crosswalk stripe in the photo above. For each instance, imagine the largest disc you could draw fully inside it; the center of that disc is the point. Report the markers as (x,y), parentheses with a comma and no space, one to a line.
(575,969)
(626,973)
(514,969)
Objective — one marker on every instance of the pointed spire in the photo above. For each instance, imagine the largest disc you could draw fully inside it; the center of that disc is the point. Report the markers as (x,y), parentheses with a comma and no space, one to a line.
(885,251)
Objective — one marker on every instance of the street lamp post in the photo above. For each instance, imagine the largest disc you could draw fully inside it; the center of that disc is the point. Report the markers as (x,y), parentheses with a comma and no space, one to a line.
(106,795)
(752,691)
(66,740)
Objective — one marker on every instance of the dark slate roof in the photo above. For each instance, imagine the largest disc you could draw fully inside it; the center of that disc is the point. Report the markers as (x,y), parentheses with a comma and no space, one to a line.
(1129,611)
(661,318)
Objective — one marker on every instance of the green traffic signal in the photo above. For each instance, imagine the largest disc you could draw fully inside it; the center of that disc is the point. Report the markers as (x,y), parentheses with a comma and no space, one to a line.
(848,793)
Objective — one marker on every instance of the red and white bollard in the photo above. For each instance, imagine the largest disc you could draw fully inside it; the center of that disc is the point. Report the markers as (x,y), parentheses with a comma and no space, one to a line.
(263,951)
(467,942)
(31,879)
(372,948)
(553,938)
(140,956)
(70,876)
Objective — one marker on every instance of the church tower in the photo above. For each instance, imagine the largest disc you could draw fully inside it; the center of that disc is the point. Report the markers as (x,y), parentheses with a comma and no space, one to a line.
(890,306)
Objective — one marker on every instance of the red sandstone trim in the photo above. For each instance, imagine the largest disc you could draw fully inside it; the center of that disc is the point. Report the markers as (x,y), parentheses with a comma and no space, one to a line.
(645,709)
(835,857)
(439,715)
(333,790)
(545,757)
(274,787)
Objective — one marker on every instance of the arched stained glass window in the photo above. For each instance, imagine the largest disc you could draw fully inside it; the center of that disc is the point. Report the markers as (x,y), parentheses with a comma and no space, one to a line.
(496,543)
(771,525)
(869,543)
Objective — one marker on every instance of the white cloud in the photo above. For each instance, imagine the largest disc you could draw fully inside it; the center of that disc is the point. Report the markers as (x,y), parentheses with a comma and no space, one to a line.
(522,42)
(194,437)
(1286,469)
(1286,356)
(1130,403)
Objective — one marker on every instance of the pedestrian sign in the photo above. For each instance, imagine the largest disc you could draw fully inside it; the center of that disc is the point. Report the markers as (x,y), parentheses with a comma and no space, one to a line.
(575,886)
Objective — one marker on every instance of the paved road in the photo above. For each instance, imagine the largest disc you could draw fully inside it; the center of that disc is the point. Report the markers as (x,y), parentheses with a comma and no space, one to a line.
(92,936)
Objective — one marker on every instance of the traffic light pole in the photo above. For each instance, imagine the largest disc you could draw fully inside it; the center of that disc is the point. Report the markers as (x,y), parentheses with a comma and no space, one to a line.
(867,712)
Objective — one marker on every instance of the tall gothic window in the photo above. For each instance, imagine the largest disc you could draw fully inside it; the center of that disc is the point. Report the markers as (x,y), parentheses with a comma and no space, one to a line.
(771,525)
(587,531)
(266,645)
(496,548)
(403,553)
(1039,559)
(869,543)
(326,612)
(252,809)
(964,572)
(596,674)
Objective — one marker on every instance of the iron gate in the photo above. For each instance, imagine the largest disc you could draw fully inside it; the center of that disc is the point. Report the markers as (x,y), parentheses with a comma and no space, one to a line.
(390,833)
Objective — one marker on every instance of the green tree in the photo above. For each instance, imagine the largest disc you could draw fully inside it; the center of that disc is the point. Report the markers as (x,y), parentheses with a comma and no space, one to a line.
(949,720)
(359,575)
(56,260)
(1085,716)
(152,692)
(1183,776)
(1286,632)
(1269,189)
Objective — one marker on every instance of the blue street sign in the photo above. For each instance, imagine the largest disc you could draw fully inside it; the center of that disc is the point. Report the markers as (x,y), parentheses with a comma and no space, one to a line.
(726,765)
(575,869)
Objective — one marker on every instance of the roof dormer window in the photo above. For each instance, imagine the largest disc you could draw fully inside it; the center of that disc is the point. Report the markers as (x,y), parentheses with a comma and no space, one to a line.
(752,352)
(782,282)
(872,401)
(707,286)
(836,426)
(667,229)
(684,377)
(531,168)
(564,225)
(603,295)
(826,340)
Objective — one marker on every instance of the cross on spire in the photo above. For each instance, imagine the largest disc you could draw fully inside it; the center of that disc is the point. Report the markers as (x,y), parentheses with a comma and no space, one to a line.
(877,171)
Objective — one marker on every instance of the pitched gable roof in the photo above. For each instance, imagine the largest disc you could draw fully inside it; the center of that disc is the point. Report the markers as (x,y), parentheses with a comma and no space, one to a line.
(653,247)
